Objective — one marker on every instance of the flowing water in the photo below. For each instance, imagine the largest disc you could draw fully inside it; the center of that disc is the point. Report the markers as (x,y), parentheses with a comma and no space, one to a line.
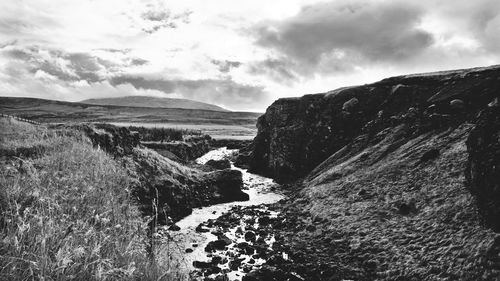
(182,248)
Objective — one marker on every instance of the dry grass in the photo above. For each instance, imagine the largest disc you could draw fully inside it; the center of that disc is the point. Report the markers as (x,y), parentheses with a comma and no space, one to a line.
(66,214)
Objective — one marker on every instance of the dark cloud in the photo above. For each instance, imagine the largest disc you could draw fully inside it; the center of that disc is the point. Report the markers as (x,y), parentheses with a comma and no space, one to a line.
(138,61)
(225,92)
(336,37)
(65,66)
(8,43)
(226,65)
(280,70)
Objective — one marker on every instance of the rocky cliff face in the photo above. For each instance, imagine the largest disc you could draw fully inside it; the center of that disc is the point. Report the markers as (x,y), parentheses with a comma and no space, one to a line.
(382,192)
(483,169)
(183,151)
(297,134)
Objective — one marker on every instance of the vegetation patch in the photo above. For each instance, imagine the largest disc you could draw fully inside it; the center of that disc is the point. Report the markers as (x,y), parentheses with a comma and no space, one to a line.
(67,213)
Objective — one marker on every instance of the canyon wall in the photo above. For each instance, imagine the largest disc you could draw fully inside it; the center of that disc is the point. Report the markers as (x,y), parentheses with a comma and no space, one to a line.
(297,134)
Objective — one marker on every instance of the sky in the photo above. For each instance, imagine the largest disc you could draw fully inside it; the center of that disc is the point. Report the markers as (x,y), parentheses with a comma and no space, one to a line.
(241,55)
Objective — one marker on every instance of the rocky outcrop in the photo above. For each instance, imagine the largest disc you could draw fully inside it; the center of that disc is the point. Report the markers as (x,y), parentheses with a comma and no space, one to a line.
(382,179)
(483,169)
(166,188)
(219,164)
(163,187)
(184,151)
(297,134)
(118,141)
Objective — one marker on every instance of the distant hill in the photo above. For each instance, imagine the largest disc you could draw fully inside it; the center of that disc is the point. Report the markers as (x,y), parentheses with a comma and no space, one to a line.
(219,124)
(148,101)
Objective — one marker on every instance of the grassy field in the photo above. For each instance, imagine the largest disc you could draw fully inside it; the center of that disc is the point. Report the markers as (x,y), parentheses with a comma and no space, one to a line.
(65,210)
(216,131)
(57,111)
(218,124)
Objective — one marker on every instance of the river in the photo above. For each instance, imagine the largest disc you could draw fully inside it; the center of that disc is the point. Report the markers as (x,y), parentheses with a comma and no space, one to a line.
(179,249)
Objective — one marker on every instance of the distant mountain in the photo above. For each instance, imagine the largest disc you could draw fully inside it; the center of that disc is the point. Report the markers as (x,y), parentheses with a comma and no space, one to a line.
(148,101)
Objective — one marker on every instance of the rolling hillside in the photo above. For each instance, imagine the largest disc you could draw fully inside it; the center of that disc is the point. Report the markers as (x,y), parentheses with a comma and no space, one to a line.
(148,101)
(43,110)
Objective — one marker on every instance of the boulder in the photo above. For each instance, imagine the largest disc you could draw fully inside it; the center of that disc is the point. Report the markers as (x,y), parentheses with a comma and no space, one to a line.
(350,104)
(483,168)
(219,164)
(457,104)
(266,273)
(228,183)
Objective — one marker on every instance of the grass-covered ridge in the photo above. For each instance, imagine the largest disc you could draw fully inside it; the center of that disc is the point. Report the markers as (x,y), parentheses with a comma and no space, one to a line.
(163,134)
(65,209)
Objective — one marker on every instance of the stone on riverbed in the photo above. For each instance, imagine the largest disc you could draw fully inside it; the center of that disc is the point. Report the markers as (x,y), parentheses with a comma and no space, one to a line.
(218,244)
(219,164)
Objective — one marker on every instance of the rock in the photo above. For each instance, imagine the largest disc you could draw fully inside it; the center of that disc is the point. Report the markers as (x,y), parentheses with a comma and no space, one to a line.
(189,250)
(235,263)
(493,103)
(264,220)
(483,168)
(250,236)
(457,104)
(202,264)
(229,184)
(266,273)
(295,135)
(218,244)
(201,228)
(311,228)
(118,141)
(429,155)
(219,164)
(246,248)
(174,227)
(223,277)
(350,104)
(406,208)
(183,150)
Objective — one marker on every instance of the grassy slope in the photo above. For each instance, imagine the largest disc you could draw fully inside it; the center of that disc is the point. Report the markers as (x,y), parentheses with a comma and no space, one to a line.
(436,235)
(65,210)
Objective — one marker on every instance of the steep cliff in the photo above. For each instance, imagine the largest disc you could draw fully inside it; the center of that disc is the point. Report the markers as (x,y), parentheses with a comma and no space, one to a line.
(296,134)
(483,169)
(382,193)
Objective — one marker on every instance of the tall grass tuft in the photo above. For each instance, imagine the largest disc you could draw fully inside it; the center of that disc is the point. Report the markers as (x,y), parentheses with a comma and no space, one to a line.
(68,215)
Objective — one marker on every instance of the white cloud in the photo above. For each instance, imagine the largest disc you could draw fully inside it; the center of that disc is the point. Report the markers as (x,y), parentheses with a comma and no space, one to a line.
(72,50)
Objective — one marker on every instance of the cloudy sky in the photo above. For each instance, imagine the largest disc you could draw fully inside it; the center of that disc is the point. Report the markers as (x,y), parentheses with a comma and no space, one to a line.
(238,54)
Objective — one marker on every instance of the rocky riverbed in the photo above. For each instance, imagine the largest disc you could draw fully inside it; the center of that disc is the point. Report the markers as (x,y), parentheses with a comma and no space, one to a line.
(223,241)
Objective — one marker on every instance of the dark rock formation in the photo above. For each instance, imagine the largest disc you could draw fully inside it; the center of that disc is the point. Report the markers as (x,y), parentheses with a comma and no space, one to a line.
(483,169)
(182,150)
(118,141)
(356,162)
(219,164)
(297,134)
